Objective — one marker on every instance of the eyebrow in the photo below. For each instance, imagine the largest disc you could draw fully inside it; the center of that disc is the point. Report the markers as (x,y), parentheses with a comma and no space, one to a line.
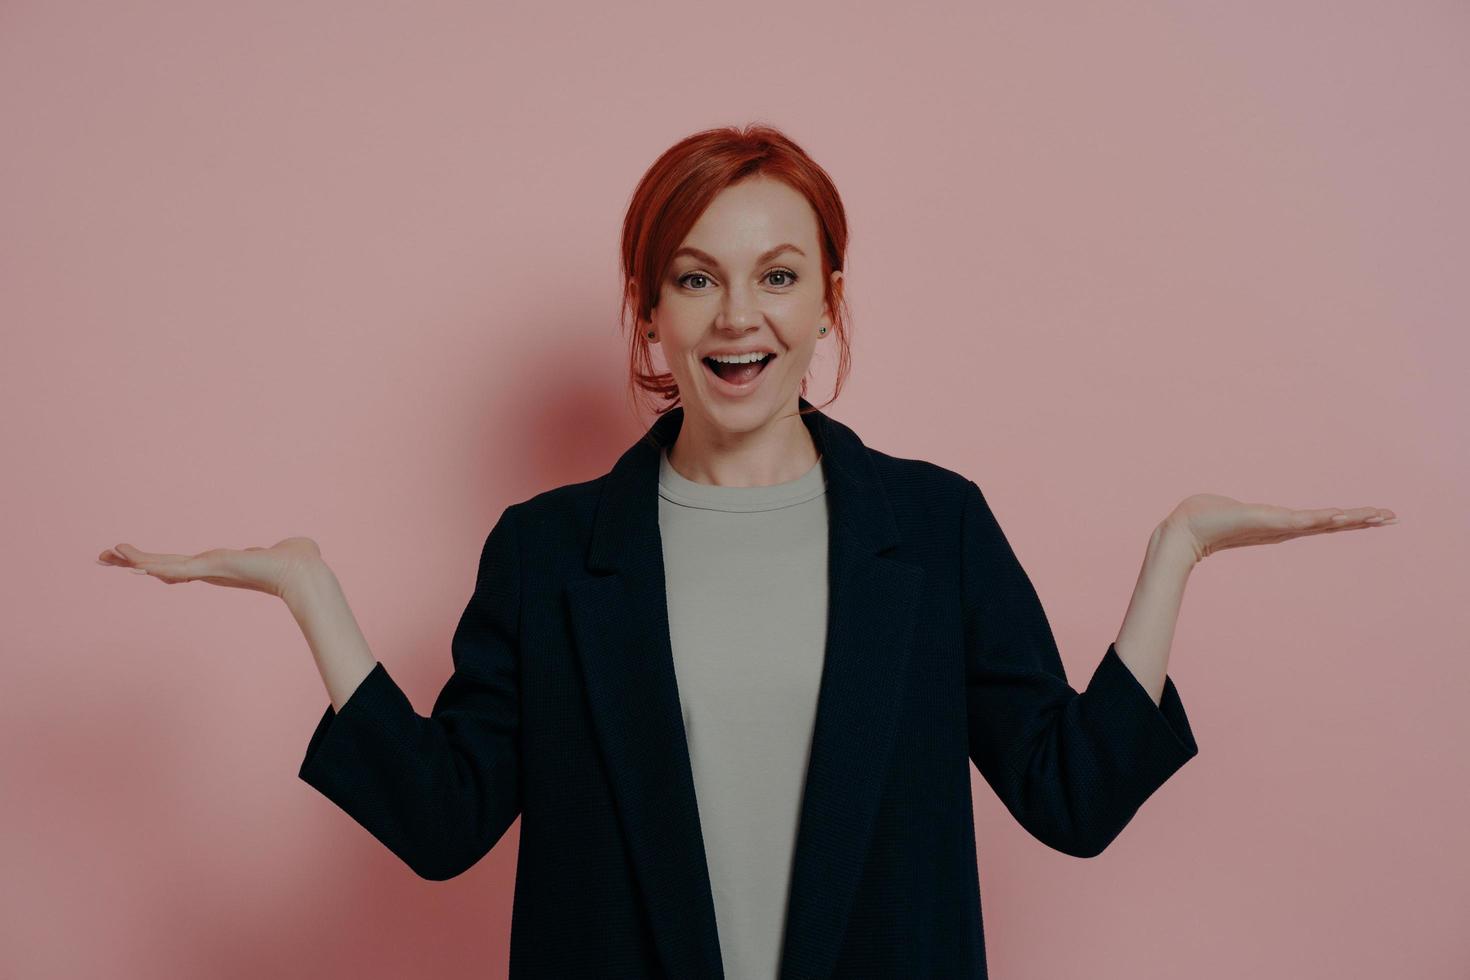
(760,259)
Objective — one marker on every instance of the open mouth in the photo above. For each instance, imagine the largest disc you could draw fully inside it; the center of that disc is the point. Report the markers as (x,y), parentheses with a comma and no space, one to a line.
(737,377)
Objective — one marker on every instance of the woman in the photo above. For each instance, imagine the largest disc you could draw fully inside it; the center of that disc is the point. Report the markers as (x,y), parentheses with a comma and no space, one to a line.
(736,684)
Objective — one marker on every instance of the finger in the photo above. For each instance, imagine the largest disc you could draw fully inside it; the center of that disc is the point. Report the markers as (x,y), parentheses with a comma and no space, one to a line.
(1336,528)
(173,570)
(1367,516)
(1305,521)
(123,561)
(132,556)
(1338,517)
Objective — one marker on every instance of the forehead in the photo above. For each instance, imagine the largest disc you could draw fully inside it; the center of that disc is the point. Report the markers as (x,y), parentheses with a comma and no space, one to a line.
(750,216)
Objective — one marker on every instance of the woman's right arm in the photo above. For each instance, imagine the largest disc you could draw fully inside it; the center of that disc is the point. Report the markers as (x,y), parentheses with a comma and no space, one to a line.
(437,791)
(337,644)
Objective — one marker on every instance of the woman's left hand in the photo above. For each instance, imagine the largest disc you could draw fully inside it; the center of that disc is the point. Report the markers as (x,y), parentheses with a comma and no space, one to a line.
(1213,523)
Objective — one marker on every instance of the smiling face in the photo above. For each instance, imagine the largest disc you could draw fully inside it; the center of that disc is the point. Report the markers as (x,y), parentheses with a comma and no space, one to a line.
(747,277)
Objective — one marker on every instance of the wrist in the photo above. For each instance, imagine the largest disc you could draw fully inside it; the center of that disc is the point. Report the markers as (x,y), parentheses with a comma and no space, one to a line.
(307,585)
(1173,544)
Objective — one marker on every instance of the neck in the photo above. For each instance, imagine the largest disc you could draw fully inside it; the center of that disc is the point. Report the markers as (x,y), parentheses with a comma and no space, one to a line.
(779,451)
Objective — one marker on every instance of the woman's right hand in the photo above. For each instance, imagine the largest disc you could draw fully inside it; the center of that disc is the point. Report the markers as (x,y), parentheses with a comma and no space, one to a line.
(277,570)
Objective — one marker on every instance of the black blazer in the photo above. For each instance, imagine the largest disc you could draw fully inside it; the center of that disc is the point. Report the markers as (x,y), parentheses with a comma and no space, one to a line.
(562,706)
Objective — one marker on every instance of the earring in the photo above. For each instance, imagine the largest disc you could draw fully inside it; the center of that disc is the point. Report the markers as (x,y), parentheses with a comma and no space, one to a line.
(650,335)
(822,331)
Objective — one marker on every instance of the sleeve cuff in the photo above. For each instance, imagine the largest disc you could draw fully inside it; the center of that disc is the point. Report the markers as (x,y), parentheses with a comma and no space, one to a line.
(1157,732)
(373,705)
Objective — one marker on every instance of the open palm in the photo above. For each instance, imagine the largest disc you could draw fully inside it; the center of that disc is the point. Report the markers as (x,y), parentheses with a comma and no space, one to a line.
(276,570)
(1214,523)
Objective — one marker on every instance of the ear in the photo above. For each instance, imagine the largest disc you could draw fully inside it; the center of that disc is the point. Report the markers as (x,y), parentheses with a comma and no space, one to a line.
(641,325)
(828,316)
(633,303)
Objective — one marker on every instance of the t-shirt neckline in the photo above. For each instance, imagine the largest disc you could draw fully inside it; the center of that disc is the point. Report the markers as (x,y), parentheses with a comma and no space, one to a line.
(677,488)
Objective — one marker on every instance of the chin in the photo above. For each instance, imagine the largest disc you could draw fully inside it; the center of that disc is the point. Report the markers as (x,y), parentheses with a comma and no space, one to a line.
(746,415)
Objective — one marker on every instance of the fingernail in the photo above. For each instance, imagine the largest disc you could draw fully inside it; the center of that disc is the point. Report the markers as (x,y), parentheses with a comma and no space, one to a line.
(1339,517)
(1372,520)
(139,571)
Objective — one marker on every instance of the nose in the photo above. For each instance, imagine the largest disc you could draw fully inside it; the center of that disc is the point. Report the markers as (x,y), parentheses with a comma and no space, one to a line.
(740,311)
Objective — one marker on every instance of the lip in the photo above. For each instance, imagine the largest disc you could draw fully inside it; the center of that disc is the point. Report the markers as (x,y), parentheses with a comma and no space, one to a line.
(724,387)
(737,350)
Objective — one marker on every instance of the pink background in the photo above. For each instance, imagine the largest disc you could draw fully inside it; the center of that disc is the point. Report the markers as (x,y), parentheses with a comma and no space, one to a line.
(349,270)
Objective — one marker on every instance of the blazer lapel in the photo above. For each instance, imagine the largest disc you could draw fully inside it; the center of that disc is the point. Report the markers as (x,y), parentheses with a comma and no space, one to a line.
(620,623)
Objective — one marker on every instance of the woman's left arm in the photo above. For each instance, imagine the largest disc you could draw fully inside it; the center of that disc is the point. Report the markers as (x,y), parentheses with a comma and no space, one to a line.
(1200,526)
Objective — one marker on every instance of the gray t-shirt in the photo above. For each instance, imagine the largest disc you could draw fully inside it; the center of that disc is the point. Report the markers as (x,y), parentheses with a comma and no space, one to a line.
(746,575)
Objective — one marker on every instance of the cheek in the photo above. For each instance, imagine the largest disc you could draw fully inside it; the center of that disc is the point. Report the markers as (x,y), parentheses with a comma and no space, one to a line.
(805,316)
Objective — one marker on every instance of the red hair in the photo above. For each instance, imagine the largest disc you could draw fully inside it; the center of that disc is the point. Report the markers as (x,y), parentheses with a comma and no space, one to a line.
(673,194)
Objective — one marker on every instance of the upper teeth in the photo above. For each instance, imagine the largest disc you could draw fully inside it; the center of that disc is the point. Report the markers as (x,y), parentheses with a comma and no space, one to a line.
(739,358)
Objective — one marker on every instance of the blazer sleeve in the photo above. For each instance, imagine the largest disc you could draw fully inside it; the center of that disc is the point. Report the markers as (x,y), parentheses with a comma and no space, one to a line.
(439,792)
(1071,767)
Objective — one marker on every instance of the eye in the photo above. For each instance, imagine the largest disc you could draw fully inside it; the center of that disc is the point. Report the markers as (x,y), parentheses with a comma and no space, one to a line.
(686,280)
